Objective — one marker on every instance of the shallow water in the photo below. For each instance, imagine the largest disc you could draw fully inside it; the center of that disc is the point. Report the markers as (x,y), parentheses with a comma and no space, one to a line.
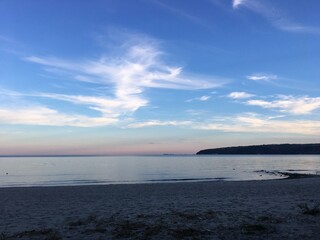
(63,171)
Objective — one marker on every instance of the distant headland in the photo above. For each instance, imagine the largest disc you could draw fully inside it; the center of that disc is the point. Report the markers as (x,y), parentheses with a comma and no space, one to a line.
(313,148)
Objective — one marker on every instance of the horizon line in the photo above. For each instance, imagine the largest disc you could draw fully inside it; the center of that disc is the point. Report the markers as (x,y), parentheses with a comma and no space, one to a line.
(94,155)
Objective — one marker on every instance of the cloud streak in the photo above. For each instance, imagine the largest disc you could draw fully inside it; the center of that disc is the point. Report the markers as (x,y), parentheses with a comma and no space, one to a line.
(237,3)
(240,95)
(253,123)
(39,115)
(261,77)
(181,13)
(274,16)
(203,98)
(243,123)
(152,123)
(137,66)
(289,104)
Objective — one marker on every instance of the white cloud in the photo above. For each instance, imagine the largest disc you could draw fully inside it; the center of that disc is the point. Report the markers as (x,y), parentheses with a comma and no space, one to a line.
(240,95)
(261,77)
(38,115)
(294,27)
(244,123)
(127,75)
(108,107)
(237,3)
(289,104)
(139,67)
(201,99)
(197,112)
(275,16)
(181,13)
(6,92)
(253,123)
(204,98)
(159,123)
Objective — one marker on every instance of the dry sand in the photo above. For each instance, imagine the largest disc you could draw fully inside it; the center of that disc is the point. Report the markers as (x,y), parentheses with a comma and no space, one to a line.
(275,209)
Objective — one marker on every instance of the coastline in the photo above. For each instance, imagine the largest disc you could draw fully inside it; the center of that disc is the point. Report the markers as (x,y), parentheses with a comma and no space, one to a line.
(192,210)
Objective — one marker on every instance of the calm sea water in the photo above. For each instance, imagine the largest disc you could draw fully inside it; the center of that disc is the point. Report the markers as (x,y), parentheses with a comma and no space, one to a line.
(62,171)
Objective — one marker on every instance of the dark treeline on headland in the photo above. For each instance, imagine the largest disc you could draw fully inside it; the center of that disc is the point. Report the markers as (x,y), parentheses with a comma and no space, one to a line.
(313,148)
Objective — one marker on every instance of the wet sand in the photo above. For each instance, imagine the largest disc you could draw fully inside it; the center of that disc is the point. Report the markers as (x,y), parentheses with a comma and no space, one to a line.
(273,209)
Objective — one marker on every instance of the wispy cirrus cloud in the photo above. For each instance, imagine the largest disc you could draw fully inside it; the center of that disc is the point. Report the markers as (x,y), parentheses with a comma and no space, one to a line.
(197,112)
(262,77)
(137,66)
(237,3)
(289,104)
(243,123)
(181,13)
(254,123)
(6,92)
(240,95)
(203,98)
(10,45)
(41,115)
(275,16)
(152,123)
(106,106)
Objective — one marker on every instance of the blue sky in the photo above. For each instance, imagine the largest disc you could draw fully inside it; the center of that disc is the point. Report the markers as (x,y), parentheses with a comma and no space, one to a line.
(157,76)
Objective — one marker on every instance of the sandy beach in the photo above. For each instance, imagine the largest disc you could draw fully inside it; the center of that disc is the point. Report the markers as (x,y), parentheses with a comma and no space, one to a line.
(273,209)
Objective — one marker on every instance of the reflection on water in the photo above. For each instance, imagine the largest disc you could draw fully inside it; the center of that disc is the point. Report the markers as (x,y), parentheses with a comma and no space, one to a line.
(61,171)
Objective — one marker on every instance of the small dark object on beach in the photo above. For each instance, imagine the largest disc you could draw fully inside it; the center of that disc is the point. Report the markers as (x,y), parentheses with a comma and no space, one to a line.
(126,228)
(310,210)
(188,232)
(3,236)
(253,229)
(49,234)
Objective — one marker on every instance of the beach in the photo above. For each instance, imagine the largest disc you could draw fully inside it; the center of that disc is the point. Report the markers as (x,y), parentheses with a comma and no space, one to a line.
(271,209)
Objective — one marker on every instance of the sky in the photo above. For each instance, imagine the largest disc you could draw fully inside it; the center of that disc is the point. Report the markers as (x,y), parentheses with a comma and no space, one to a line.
(124,77)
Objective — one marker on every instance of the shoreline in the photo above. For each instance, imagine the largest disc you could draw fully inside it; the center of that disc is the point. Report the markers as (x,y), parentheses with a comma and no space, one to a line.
(184,210)
(281,176)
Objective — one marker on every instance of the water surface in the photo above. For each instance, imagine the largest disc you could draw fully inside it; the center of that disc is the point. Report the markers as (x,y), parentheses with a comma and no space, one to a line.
(62,171)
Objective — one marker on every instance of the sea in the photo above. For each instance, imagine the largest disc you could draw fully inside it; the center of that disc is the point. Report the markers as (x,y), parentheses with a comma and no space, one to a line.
(97,170)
